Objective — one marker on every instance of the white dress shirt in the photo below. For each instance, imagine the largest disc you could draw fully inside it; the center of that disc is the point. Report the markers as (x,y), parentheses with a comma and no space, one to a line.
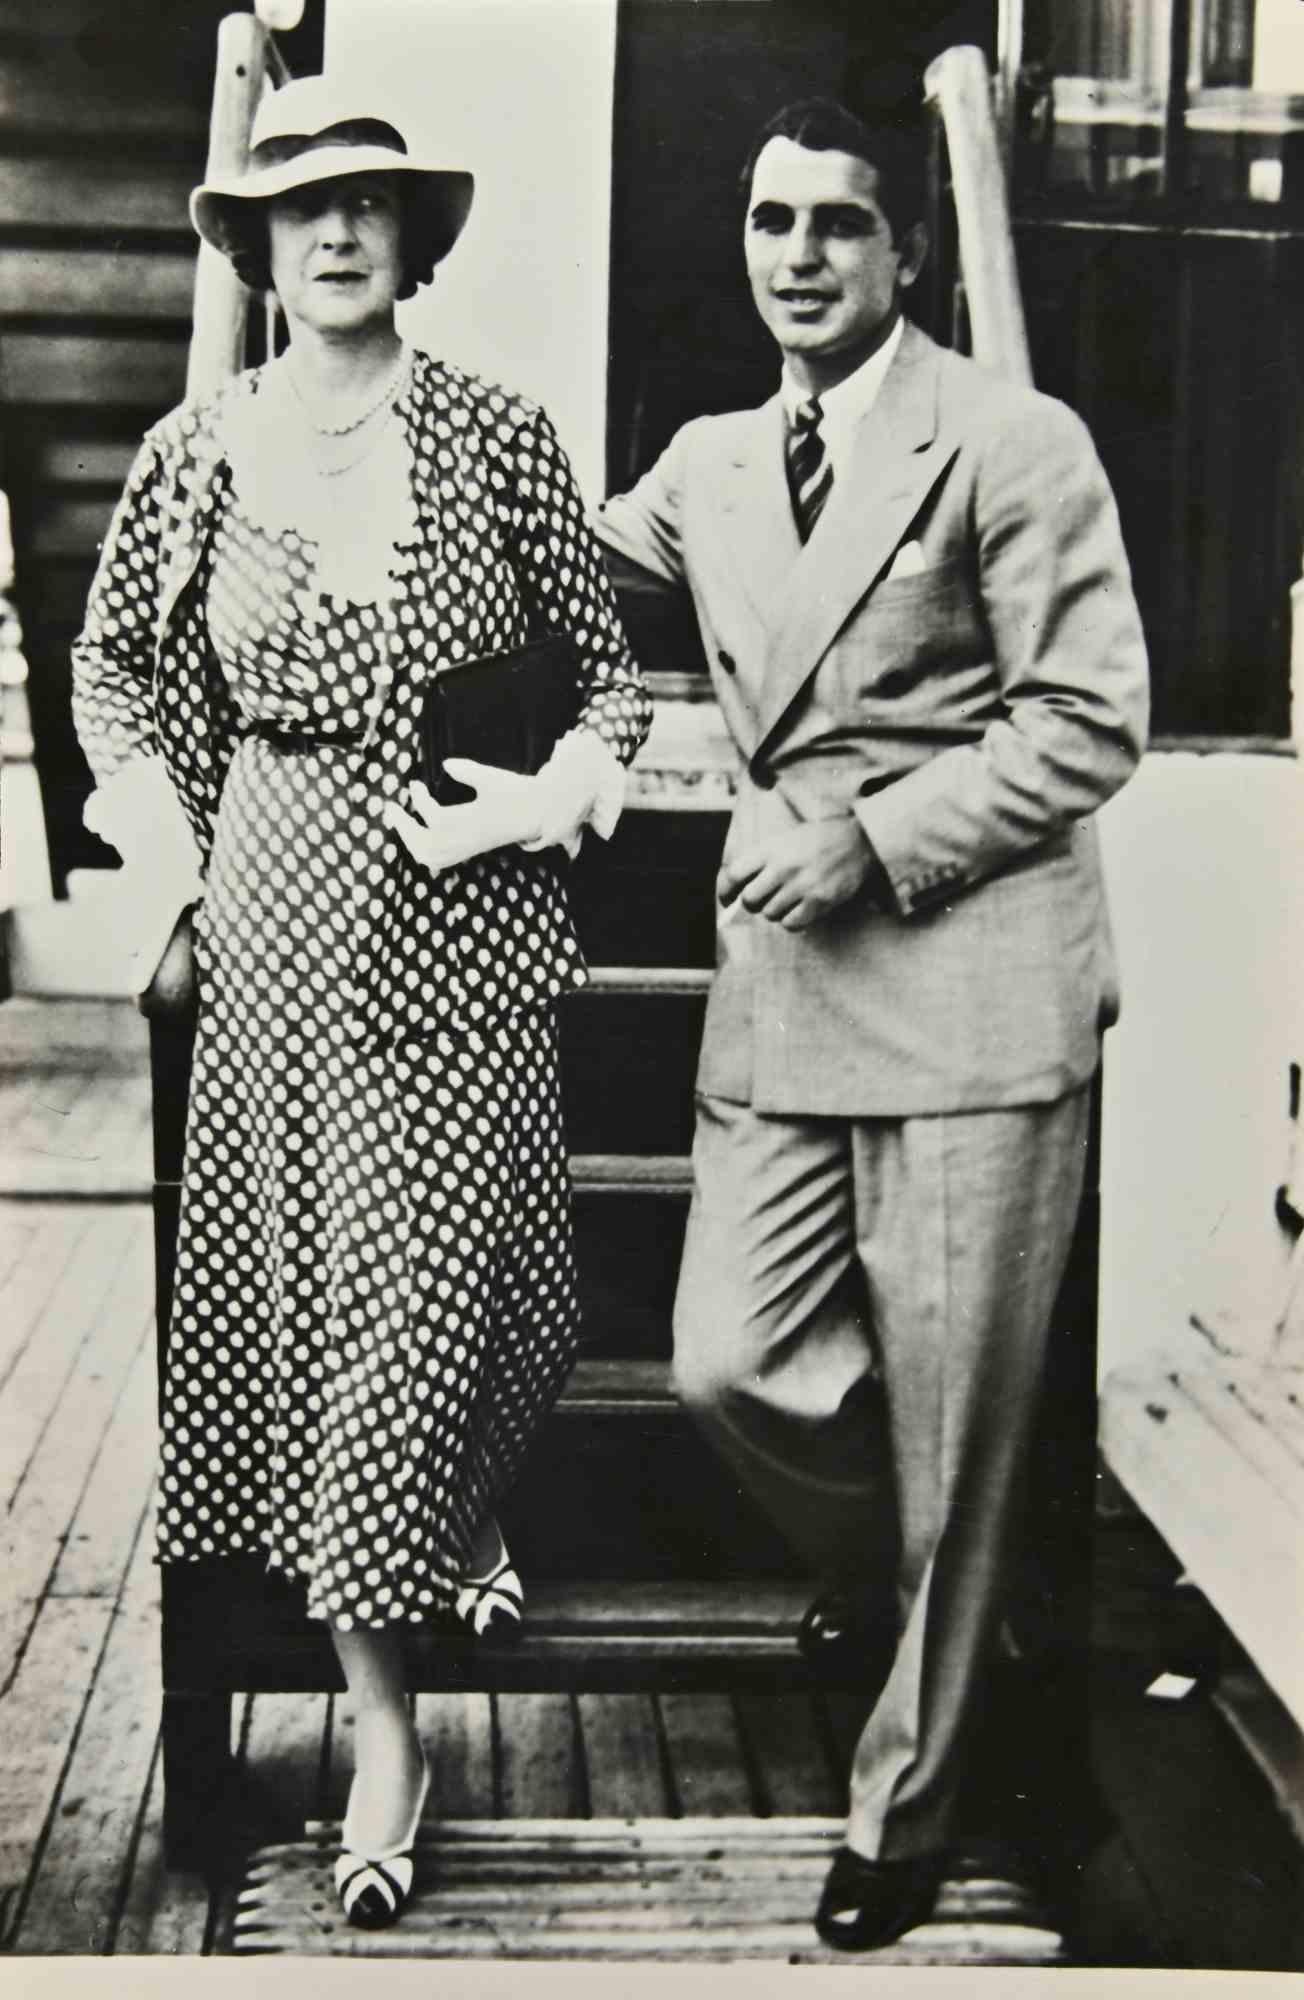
(843,407)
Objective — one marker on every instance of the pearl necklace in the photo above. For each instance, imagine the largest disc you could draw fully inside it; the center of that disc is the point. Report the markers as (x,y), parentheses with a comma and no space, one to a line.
(325,471)
(387,394)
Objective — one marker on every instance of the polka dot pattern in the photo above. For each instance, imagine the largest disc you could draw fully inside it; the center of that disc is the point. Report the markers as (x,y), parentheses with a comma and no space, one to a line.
(503,552)
(375,1294)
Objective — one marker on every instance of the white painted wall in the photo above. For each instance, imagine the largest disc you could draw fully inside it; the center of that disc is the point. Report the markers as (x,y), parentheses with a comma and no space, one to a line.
(1278,45)
(1204,860)
(520,92)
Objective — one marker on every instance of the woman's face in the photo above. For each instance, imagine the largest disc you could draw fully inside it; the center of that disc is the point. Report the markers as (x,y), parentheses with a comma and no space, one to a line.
(335,252)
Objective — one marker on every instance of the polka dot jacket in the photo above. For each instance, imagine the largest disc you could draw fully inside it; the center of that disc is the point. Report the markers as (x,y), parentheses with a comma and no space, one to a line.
(503,553)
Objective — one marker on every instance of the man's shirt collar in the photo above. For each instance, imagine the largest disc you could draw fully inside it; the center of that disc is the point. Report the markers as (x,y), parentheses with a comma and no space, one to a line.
(844,406)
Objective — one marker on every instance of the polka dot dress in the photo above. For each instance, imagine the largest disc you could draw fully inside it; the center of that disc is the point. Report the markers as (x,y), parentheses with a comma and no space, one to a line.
(374,1301)
(375,1296)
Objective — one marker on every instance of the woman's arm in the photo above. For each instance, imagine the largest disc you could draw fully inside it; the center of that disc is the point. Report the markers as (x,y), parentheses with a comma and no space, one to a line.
(134,807)
(113,658)
(564,582)
(562,572)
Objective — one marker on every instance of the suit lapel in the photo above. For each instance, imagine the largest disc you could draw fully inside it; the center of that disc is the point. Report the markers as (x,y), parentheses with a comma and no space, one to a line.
(897,456)
(753,512)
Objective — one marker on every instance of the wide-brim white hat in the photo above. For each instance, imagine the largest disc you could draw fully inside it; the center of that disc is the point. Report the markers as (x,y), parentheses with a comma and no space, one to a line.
(315,129)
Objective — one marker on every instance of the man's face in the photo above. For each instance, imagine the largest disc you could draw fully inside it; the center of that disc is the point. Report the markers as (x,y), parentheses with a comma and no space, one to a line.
(823,267)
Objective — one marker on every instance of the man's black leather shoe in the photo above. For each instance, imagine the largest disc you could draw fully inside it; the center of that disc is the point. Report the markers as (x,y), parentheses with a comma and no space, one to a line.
(867,1904)
(844,1645)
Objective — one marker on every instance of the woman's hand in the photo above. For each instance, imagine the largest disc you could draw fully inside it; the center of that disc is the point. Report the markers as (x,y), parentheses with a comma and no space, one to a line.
(507,811)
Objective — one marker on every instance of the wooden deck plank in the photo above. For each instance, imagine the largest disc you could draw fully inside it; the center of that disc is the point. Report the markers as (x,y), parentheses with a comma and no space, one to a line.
(540,1771)
(789,1754)
(167,1910)
(1227,1886)
(40,1373)
(706,1762)
(457,1730)
(119,1153)
(285,1756)
(47,1105)
(104,1126)
(18,1227)
(38,1722)
(622,1754)
(66,1449)
(75,1097)
(76,1421)
(77,1888)
(83,1131)
(115,1495)
(30,1289)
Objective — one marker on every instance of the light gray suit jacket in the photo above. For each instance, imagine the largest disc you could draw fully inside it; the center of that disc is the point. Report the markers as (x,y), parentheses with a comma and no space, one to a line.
(972,714)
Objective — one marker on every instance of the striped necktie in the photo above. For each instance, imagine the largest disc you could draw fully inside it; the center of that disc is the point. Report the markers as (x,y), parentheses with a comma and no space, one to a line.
(810,470)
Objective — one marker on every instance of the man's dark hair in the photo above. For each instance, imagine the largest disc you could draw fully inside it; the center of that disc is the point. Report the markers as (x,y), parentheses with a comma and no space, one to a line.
(423,240)
(894,149)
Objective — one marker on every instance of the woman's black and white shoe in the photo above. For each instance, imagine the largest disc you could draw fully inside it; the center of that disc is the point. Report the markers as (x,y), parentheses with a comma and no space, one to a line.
(373,1887)
(492,1606)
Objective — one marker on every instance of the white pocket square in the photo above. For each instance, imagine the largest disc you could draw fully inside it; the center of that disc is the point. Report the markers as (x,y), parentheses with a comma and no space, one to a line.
(908,561)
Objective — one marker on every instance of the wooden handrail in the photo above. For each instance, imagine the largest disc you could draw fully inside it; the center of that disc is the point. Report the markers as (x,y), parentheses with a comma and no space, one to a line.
(221,301)
(957,82)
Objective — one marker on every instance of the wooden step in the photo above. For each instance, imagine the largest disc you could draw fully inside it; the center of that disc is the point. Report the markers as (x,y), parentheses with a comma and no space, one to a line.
(629,1239)
(228,1625)
(677,981)
(96,285)
(647,896)
(695,1889)
(629,1046)
(619,1480)
(57,85)
(667,1174)
(71,525)
(131,198)
(83,369)
(607,1387)
(68,458)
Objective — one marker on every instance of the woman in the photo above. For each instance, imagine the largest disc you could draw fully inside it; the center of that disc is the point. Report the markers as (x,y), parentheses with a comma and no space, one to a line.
(374,1299)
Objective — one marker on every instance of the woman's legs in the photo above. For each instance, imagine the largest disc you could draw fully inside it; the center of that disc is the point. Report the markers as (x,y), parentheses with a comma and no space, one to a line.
(487,1550)
(387,1751)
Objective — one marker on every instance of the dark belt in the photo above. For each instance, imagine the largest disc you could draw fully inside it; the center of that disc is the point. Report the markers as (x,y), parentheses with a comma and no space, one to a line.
(294,739)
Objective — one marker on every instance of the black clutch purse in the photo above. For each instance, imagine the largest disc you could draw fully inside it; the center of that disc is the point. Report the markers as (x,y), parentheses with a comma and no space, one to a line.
(508,709)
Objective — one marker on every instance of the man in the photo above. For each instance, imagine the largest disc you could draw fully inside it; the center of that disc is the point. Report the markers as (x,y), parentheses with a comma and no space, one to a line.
(918,615)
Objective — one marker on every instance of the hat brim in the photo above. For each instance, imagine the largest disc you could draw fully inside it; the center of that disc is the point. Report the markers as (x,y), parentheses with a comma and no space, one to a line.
(444,193)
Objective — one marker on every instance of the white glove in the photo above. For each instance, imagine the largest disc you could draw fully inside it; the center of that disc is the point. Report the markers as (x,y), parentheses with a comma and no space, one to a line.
(581,784)
(507,809)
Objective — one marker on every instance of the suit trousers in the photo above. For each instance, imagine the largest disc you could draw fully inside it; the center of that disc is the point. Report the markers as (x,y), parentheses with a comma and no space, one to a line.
(861,1327)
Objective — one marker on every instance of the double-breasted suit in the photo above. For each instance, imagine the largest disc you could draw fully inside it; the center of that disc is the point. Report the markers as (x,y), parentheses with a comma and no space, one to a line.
(892,1116)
